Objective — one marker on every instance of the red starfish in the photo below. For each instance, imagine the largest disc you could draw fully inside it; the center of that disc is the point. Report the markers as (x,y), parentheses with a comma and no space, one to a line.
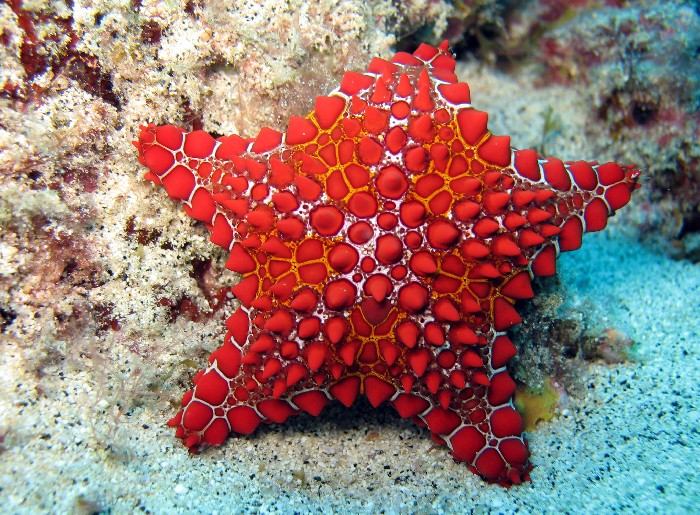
(382,242)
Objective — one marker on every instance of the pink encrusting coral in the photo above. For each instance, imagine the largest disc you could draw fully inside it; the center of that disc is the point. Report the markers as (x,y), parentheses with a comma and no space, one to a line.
(383,241)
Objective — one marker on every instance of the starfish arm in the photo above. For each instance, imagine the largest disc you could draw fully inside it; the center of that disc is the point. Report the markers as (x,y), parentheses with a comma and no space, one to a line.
(219,181)
(486,436)
(263,373)
(453,356)
(554,203)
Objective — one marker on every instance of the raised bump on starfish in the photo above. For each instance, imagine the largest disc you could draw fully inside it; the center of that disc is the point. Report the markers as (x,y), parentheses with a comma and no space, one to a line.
(382,242)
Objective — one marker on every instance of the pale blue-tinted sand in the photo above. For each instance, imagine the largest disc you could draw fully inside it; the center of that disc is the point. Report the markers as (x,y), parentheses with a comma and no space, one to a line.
(628,444)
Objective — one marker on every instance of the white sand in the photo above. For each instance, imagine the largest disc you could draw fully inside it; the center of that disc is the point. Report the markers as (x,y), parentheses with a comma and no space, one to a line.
(629,445)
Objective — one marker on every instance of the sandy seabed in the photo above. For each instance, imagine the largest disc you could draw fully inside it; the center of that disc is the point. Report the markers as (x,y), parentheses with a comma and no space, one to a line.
(628,446)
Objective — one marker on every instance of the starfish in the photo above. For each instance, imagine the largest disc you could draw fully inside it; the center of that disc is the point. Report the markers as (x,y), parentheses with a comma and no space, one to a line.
(383,241)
